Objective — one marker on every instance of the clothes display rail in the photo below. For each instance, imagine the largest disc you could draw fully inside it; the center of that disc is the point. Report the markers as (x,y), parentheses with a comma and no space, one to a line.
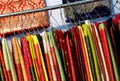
(46,8)
(77,51)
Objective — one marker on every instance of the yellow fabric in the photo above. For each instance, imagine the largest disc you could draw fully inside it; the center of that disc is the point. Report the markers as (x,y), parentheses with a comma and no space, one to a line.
(97,70)
(30,40)
(83,34)
(35,39)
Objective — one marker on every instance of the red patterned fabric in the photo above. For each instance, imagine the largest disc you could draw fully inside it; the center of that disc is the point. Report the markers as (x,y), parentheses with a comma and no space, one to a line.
(70,57)
(14,22)
(27,57)
(63,47)
(61,44)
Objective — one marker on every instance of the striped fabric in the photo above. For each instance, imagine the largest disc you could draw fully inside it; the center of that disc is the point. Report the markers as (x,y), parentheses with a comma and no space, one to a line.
(83,53)
(9,61)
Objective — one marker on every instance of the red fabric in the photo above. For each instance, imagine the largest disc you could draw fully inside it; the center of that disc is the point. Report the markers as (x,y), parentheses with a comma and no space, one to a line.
(37,67)
(3,65)
(37,51)
(17,60)
(77,53)
(117,16)
(9,75)
(55,64)
(106,51)
(71,58)
(83,53)
(27,57)
(63,47)
(98,51)
(115,21)
(48,67)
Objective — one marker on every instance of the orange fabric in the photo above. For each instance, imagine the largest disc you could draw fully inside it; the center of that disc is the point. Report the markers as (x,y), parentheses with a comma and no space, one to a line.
(14,23)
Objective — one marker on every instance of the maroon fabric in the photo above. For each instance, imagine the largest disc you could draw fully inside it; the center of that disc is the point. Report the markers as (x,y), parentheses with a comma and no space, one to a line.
(63,47)
(77,54)
(70,56)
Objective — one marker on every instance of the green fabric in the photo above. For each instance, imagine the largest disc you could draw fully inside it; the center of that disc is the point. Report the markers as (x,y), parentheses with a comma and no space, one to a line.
(97,69)
(10,58)
(62,73)
(117,78)
(89,50)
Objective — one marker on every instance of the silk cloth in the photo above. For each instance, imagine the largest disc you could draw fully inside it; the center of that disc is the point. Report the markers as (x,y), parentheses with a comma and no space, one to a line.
(24,21)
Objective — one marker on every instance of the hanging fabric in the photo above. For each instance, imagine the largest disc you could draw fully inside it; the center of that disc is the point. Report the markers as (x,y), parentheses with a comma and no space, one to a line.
(52,49)
(32,52)
(9,64)
(104,72)
(27,58)
(39,57)
(17,60)
(2,66)
(28,20)
(20,57)
(87,49)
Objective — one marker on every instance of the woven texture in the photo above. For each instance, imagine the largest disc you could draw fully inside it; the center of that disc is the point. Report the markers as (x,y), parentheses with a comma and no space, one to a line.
(15,23)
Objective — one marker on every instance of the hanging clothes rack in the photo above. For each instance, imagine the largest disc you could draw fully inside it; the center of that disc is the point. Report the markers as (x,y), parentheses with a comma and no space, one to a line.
(45,24)
(46,8)
(84,50)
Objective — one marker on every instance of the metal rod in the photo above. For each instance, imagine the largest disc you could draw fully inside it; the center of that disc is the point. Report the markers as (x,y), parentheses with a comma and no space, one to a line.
(44,9)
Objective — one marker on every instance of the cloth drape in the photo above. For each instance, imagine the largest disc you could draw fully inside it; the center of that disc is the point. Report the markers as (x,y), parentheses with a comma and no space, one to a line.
(27,58)
(9,64)
(32,52)
(19,56)
(39,57)
(106,51)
